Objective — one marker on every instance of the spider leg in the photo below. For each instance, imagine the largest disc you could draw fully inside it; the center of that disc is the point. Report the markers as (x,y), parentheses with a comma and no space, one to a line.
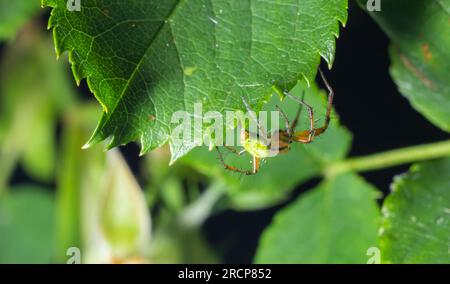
(305,136)
(329,104)
(234,151)
(312,129)
(297,116)
(286,120)
(256,164)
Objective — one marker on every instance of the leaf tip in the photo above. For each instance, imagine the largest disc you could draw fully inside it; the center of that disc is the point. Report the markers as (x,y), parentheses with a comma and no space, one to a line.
(308,82)
(95,139)
(142,152)
(86,146)
(91,142)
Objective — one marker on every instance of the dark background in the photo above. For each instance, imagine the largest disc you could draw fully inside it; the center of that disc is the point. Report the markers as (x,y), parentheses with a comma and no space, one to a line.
(369,105)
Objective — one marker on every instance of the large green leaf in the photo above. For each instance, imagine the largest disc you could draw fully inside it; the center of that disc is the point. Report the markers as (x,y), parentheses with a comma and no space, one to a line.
(420,32)
(280,174)
(336,222)
(416,216)
(13,14)
(145,60)
(26,226)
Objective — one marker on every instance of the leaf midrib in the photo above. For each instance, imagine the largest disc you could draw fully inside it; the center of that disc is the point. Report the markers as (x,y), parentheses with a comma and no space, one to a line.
(139,64)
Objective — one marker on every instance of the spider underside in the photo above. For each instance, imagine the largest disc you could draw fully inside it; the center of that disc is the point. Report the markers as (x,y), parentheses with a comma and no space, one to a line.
(284,138)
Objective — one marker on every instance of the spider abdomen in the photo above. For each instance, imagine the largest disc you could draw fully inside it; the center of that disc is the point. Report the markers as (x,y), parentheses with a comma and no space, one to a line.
(261,149)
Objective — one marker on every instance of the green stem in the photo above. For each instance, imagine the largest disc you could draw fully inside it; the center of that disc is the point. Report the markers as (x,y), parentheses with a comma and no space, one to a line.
(196,213)
(391,158)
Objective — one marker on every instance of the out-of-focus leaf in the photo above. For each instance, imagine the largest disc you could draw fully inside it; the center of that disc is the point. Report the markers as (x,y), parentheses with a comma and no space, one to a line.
(280,174)
(143,64)
(14,14)
(33,90)
(334,223)
(124,217)
(174,244)
(101,209)
(164,181)
(420,32)
(26,226)
(172,194)
(416,216)
(77,169)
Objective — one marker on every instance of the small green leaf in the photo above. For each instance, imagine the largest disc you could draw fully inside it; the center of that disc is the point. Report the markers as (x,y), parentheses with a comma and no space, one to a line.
(416,216)
(124,217)
(26,226)
(13,14)
(336,222)
(420,53)
(146,60)
(280,174)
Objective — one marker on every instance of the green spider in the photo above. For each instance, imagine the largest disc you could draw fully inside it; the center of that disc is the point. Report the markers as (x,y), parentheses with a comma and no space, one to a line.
(259,149)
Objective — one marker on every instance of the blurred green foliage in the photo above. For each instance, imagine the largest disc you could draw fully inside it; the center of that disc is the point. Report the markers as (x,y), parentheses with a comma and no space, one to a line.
(27,225)
(93,202)
(13,14)
(420,54)
(34,91)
